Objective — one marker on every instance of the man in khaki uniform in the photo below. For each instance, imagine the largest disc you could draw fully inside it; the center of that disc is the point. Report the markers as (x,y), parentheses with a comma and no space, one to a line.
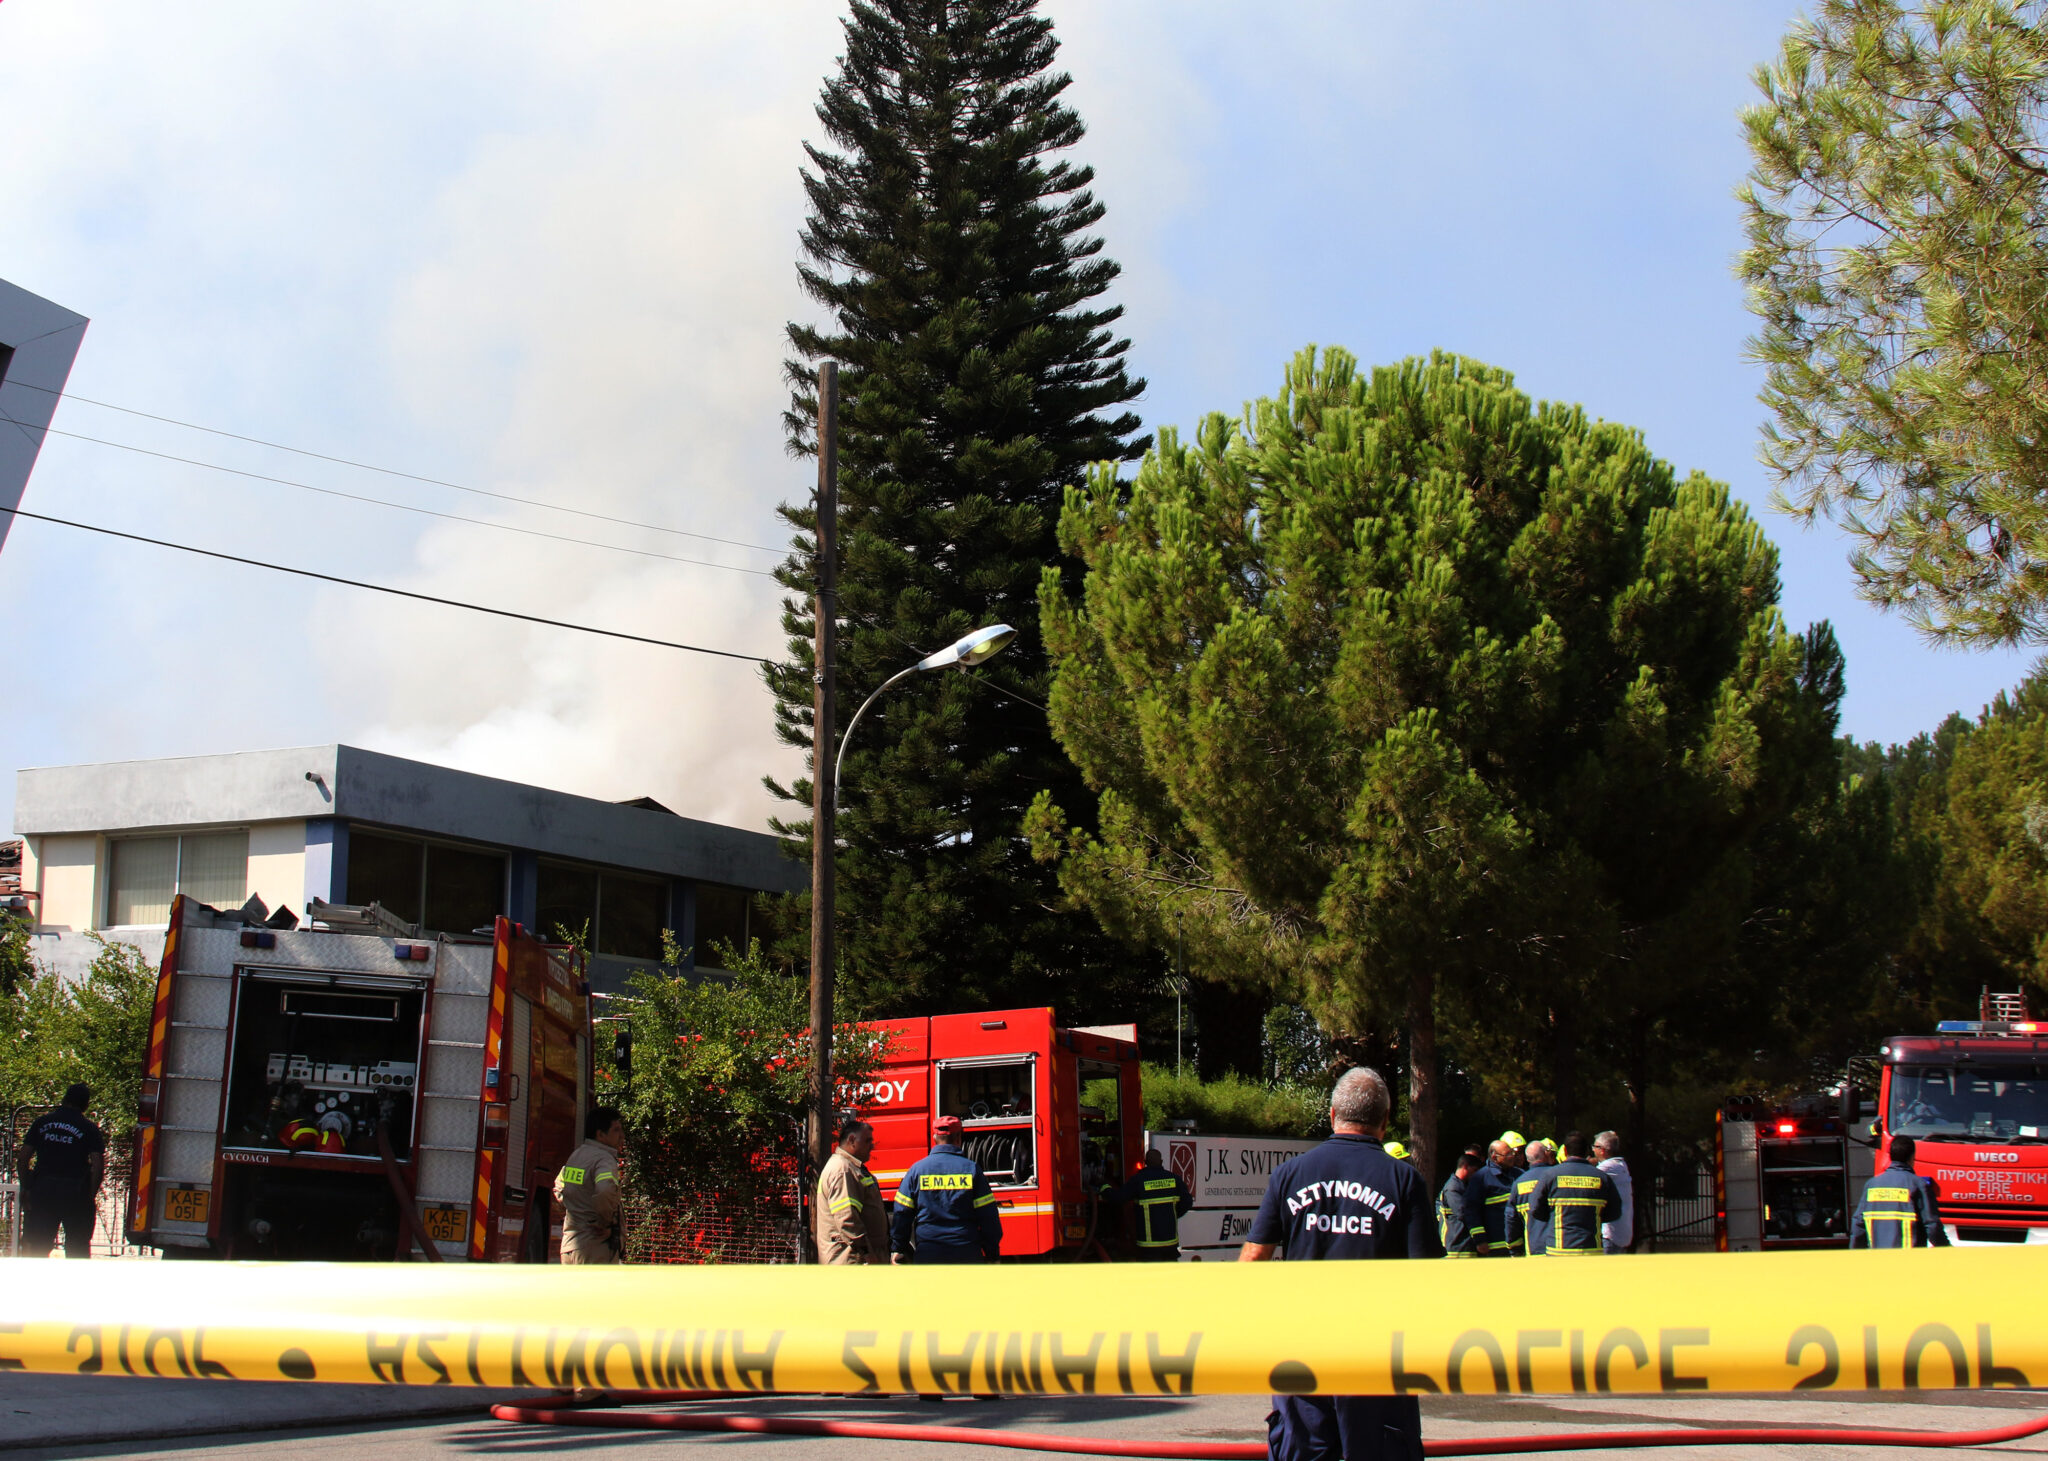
(853,1226)
(587,1187)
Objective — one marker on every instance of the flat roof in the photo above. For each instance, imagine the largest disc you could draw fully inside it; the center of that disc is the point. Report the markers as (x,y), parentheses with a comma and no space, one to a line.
(390,791)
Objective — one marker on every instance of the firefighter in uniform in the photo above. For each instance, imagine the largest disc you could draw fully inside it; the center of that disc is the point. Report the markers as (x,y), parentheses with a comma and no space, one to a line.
(587,1188)
(1899,1208)
(63,1158)
(1523,1239)
(1311,1211)
(1570,1204)
(1487,1196)
(945,1212)
(1160,1200)
(1460,1239)
(853,1225)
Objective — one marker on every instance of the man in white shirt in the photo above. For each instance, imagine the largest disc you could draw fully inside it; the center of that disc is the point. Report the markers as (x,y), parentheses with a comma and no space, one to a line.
(1617,1236)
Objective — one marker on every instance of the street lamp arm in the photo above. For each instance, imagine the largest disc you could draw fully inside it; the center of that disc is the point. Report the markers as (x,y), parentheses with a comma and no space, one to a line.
(839,761)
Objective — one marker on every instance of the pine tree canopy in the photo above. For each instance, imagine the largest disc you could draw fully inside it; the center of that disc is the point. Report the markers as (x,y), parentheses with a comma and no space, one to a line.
(1897,211)
(1413,693)
(950,250)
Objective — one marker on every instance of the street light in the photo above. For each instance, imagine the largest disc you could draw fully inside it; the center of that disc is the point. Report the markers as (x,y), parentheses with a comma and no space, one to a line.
(976,648)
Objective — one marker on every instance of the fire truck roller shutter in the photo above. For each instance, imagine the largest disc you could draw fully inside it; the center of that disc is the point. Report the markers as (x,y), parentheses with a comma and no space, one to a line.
(1007,1157)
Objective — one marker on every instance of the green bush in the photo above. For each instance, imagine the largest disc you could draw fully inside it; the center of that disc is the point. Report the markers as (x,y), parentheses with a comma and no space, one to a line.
(96,1031)
(1229,1106)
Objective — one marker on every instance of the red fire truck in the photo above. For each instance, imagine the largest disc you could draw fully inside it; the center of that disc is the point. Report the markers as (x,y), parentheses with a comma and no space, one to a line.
(1050,1113)
(1974,1098)
(1787,1174)
(354,1089)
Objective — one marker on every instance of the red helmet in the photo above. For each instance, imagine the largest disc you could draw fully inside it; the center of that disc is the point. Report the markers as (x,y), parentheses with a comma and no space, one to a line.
(946,1128)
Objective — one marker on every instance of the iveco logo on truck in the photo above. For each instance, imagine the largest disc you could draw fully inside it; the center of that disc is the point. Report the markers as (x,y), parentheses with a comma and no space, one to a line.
(1994,1156)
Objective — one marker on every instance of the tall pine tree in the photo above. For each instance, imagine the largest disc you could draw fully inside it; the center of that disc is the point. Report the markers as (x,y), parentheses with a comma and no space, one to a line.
(953,258)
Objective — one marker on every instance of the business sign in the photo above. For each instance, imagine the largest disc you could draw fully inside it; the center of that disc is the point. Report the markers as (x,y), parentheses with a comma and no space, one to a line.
(1225,1171)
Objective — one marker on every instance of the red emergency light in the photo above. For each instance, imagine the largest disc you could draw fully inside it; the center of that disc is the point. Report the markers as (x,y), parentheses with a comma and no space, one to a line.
(1786,1128)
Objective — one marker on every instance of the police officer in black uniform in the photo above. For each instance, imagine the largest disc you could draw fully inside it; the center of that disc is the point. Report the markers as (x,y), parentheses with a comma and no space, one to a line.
(1160,1200)
(1899,1208)
(1309,1212)
(62,1160)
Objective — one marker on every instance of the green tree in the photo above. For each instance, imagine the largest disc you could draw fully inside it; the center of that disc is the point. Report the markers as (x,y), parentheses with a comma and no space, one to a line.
(1897,214)
(1412,695)
(1972,827)
(95,1030)
(953,257)
(720,1070)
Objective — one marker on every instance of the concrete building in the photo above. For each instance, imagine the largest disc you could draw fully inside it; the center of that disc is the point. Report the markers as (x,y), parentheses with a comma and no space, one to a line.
(38,342)
(106,847)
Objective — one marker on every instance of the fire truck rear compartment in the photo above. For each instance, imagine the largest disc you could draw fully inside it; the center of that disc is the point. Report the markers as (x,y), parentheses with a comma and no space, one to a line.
(291,1213)
(321,1065)
(993,1097)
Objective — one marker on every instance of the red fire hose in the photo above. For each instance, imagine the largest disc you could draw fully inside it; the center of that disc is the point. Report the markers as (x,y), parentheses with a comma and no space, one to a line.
(670,1420)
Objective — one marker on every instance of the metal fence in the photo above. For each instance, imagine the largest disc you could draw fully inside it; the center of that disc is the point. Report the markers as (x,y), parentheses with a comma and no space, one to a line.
(1683,1213)
(715,1228)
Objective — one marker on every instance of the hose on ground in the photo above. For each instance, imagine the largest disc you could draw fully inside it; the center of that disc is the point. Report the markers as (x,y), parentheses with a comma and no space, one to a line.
(1602,1440)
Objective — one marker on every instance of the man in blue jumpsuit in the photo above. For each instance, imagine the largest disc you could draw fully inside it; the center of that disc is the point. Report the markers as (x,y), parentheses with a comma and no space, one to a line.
(1900,1208)
(1311,1211)
(1571,1203)
(1487,1195)
(1459,1239)
(1525,1235)
(1160,1200)
(945,1212)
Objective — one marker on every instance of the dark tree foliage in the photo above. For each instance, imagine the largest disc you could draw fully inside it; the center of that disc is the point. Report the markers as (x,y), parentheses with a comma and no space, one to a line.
(952,255)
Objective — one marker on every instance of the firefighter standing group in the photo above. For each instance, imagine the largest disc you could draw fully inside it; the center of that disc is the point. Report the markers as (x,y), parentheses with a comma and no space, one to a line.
(1520,1200)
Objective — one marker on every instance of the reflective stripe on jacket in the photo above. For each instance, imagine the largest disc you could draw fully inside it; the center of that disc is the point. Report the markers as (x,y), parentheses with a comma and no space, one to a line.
(853,1224)
(1899,1209)
(944,1201)
(1486,1205)
(1571,1202)
(1525,1234)
(587,1187)
(1161,1200)
(1460,1239)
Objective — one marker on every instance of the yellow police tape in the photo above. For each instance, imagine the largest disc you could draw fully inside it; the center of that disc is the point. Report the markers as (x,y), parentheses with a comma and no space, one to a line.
(1936,1319)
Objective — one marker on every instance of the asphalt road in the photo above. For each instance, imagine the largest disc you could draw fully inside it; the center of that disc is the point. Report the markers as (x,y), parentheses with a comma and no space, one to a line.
(1225,1418)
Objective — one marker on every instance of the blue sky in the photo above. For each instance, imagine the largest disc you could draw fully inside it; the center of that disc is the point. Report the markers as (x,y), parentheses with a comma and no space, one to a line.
(548,250)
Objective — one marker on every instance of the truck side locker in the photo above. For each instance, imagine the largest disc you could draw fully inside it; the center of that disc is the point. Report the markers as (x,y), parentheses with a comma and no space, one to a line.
(172,1203)
(1738,1209)
(445,1150)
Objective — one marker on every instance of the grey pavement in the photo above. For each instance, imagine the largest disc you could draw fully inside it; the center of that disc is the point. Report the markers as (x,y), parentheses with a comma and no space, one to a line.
(47,1410)
(386,1434)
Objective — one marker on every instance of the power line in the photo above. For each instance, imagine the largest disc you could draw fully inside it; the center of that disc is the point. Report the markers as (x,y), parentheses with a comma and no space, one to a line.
(624,522)
(403,593)
(396,506)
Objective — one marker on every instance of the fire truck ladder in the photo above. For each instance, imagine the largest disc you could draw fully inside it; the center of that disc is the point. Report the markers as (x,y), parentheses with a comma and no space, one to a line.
(2002,1008)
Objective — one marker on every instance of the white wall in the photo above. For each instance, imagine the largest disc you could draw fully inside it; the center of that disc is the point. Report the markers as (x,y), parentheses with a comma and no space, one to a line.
(277,865)
(66,873)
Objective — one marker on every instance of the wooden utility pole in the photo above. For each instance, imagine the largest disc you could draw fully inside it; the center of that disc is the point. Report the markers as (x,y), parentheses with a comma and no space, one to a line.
(824,741)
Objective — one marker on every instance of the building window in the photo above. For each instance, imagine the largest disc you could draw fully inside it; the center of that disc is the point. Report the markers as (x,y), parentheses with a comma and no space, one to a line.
(631,913)
(447,889)
(721,921)
(145,873)
(612,913)
(566,907)
(388,871)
